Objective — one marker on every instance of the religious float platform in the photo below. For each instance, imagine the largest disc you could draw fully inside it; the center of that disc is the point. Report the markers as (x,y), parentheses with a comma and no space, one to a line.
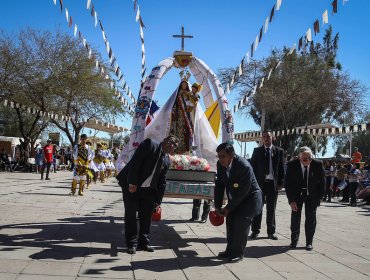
(194,184)
(183,116)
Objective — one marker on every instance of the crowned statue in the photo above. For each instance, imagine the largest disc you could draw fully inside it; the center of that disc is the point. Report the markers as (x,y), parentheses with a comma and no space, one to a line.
(183,116)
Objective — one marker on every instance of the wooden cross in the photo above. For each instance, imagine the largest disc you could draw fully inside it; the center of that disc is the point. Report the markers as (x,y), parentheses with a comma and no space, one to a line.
(182,36)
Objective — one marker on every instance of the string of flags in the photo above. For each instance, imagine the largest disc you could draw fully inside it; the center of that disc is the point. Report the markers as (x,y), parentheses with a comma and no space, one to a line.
(264,28)
(112,58)
(255,135)
(58,117)
(33,111)
(99,65)
(303,40)
(141,25)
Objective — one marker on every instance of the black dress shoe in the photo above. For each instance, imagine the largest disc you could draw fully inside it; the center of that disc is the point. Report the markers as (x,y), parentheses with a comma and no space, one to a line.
(234,260)
(147,248)
(253,235)
(223,255)
(131,250)
(293,245)
(203,221)
(273,237)
(309,247)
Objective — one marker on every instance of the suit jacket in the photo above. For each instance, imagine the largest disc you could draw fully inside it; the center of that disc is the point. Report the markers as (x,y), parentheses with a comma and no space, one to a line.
(258,162)
(141,166)
(294,181)
(244,194)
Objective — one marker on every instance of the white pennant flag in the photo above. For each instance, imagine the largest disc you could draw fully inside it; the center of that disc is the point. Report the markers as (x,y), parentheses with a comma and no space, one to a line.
(263,79)
(75,31)
(96,19)
(325,17)
(254,90)
(84,42)
(240,69)
(256,43)
(269,75)
(67,15)
(278,4)
(107,47)
(266,25)
(97,63)
(232,80)
(88,4)
(55,2)
(248,59)
(309,35)
(104,37)
(141,32)
(90,53)
(138,13)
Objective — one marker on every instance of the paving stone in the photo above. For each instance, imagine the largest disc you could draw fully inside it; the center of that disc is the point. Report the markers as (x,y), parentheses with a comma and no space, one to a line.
(45,234)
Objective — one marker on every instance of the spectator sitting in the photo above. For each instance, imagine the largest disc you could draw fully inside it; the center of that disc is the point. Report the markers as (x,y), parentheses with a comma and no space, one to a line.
(4,160)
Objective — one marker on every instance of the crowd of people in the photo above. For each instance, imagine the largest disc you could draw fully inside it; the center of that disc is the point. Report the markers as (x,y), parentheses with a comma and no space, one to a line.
(247,184)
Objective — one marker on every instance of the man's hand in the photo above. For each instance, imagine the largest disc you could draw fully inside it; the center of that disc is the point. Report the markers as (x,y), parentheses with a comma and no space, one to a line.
(279,187)
(225,211)
(132,188)
(218,212)
(156,206)
(294,206)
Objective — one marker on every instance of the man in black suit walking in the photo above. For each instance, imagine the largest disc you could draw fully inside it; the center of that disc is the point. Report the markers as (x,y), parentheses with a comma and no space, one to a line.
(143,183)
(235,176)
(304,183)
(268,166)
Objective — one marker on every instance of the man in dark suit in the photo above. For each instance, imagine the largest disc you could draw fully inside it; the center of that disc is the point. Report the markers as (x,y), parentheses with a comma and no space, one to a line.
(235,176)
(143,183)
(268,166)
(304,183)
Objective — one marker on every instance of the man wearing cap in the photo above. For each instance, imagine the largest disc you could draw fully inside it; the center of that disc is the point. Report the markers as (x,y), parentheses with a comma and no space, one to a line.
(48,159)
(143,183)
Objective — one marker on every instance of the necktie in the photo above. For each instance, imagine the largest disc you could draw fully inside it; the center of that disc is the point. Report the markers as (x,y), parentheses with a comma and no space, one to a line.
(228,171)
(267,161)
(305,178)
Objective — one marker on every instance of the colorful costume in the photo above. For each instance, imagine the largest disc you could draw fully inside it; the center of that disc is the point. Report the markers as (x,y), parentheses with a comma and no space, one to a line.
(81,156)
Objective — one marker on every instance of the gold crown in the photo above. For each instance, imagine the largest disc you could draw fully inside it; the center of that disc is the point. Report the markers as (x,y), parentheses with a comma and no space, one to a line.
(185,75)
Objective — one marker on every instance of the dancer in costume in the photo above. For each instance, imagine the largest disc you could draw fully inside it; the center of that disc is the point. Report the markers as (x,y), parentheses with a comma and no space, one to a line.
(81,157)
(92,169)
(99,162)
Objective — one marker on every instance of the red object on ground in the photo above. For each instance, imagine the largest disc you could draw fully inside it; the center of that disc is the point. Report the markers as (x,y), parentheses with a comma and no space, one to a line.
(215,219)
(157,214)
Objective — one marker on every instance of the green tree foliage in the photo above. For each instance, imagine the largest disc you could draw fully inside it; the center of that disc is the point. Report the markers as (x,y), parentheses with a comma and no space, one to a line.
(307,88)
(51,72)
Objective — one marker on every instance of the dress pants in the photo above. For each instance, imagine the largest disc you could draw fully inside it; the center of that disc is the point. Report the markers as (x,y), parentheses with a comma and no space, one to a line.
(196,209)
(269,197)
(310,222)
(141,201)
(237,231)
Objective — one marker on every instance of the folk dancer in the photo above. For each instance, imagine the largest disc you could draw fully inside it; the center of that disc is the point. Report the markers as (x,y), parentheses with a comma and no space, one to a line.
(81,156)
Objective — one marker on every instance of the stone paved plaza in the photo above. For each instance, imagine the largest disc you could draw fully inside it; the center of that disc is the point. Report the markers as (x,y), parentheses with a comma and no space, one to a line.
(45,234)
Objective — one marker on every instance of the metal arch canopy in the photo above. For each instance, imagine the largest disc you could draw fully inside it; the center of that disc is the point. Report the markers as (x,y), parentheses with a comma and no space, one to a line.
(203,75)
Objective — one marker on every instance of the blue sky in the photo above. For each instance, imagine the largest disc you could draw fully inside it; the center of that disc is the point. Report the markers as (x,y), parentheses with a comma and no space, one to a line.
(223,32)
